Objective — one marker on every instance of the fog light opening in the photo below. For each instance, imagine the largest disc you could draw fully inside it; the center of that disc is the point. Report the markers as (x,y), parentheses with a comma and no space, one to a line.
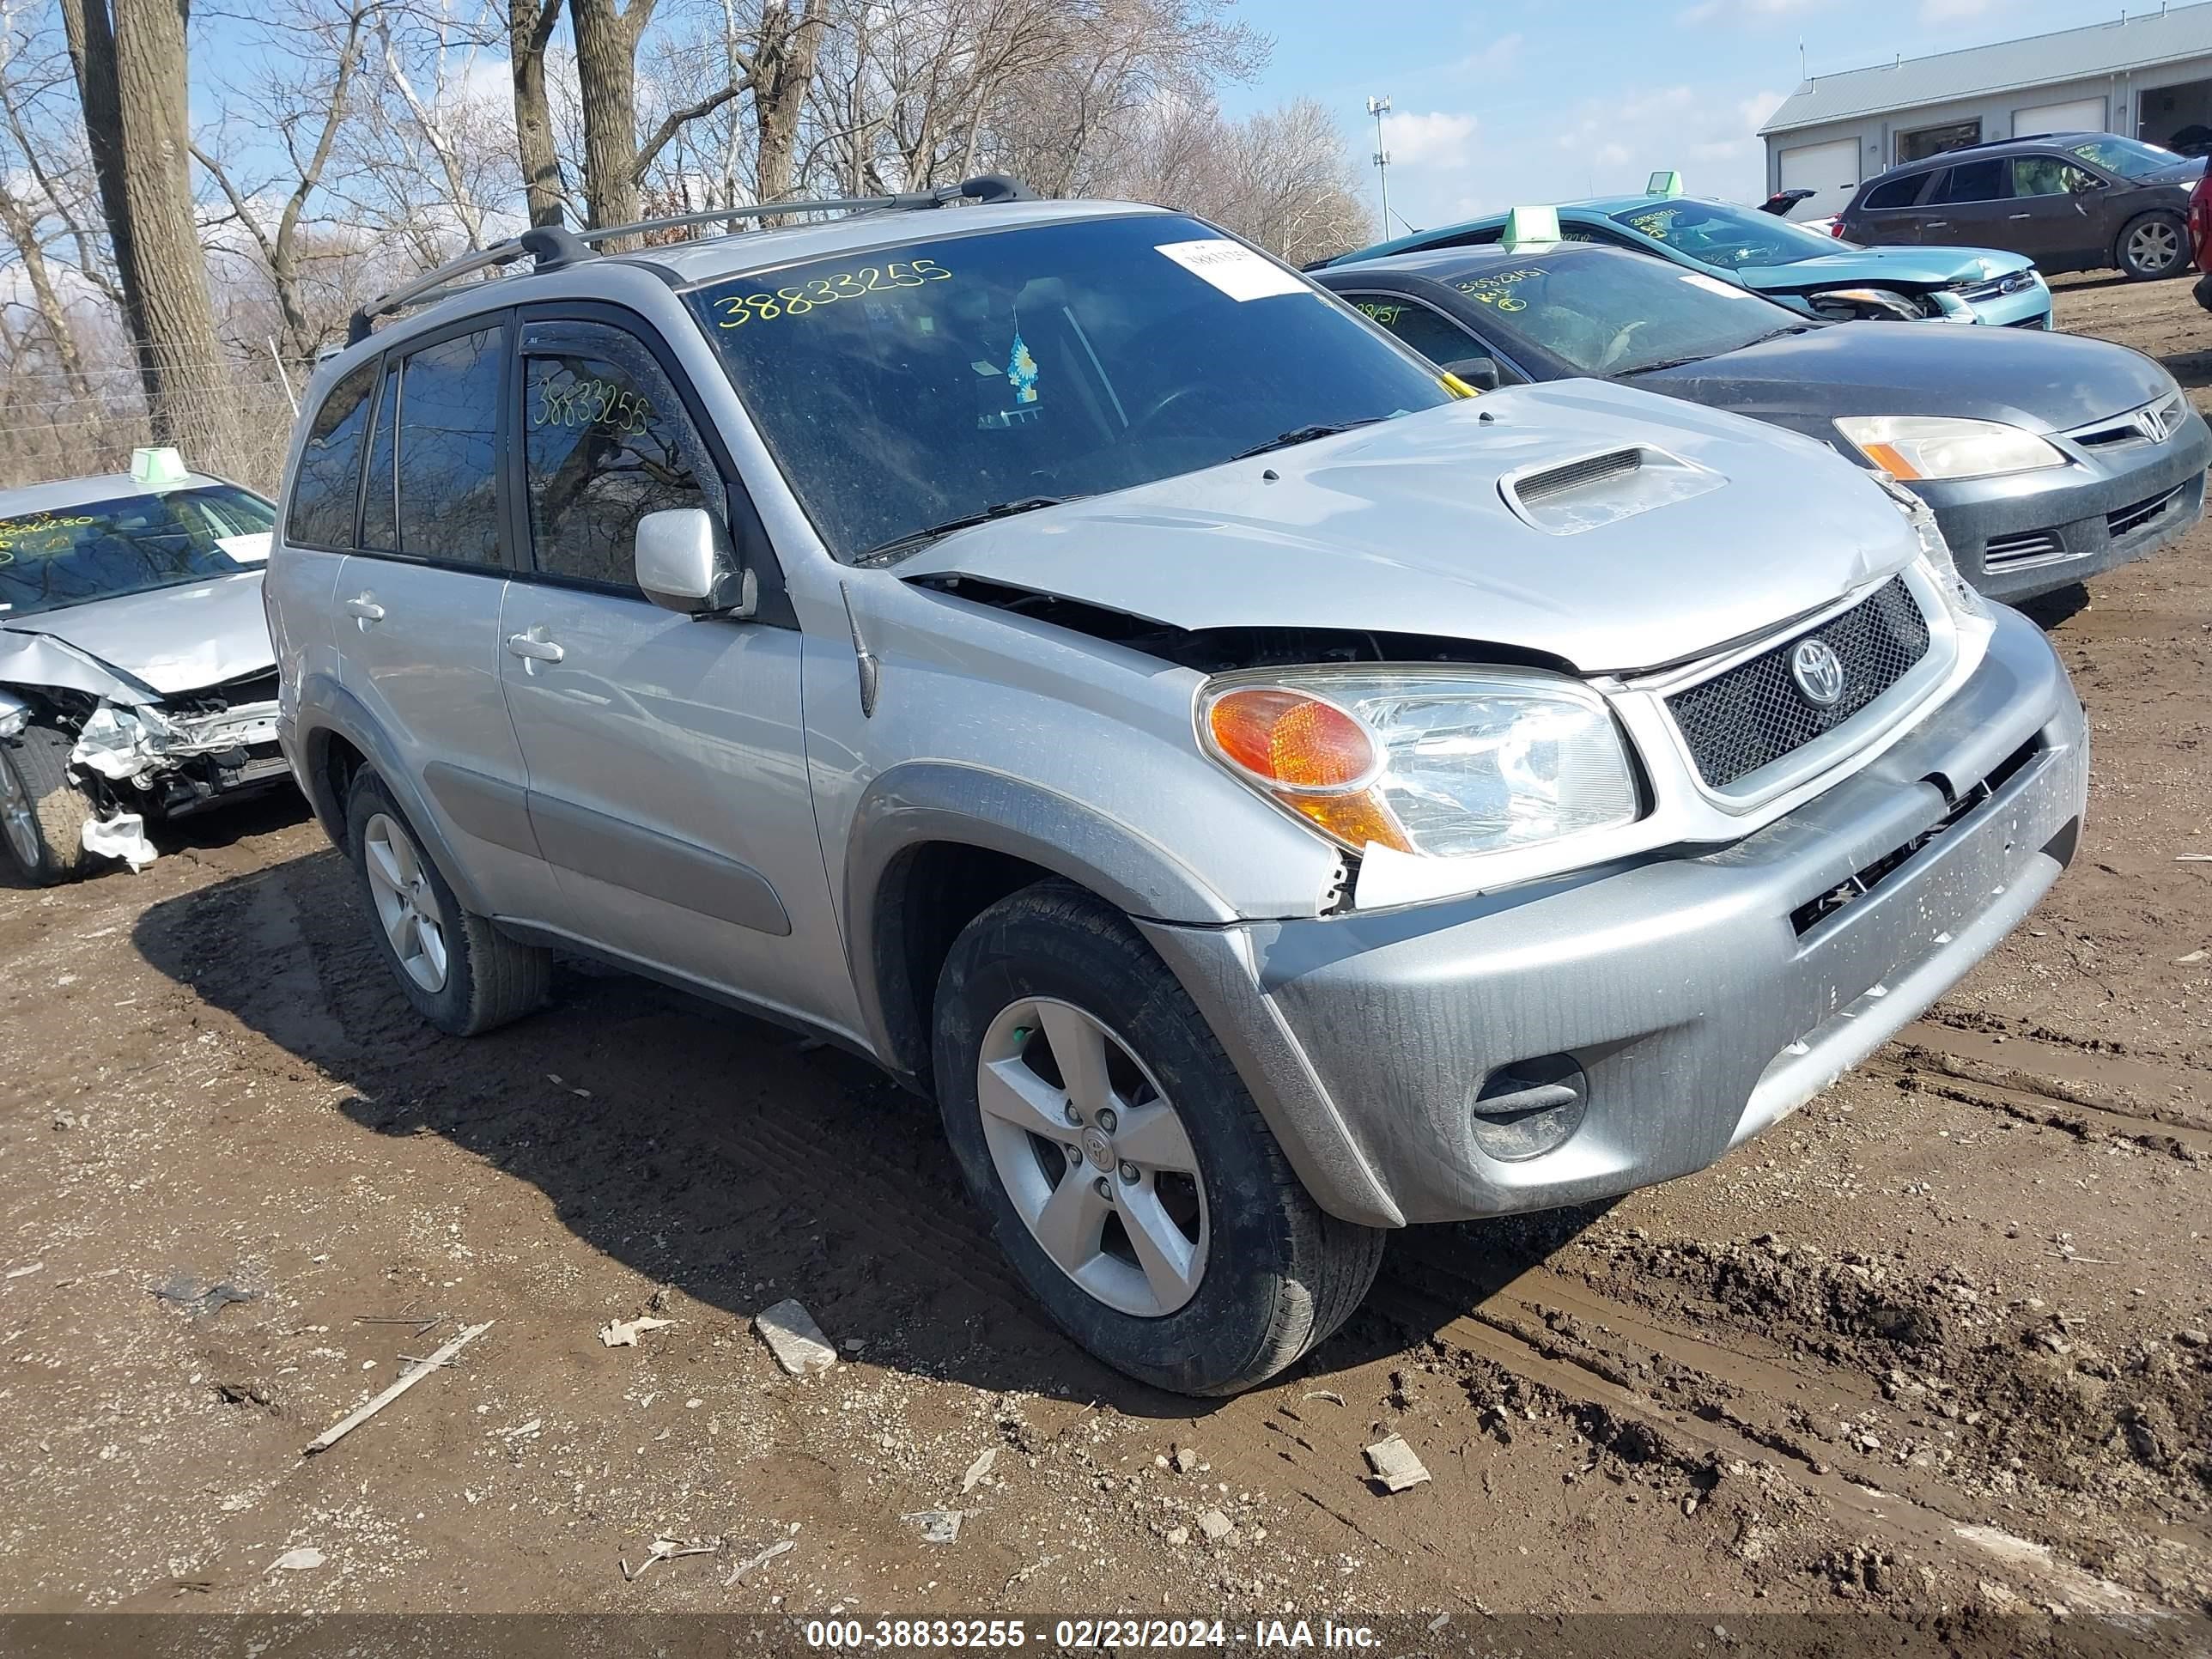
(1529,1108)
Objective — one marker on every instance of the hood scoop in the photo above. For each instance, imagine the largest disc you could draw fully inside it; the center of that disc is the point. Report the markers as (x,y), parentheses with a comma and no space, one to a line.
(1569,497)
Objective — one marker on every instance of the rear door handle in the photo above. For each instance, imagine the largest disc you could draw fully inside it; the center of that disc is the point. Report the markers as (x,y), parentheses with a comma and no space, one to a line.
(531,650)
(2023,216)
(1937,224)
(365,609)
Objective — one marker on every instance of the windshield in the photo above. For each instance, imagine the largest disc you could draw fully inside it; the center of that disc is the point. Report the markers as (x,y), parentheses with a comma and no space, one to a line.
(66,556)
(909,387)
(2129,157)
(1718,234)
(1616,313)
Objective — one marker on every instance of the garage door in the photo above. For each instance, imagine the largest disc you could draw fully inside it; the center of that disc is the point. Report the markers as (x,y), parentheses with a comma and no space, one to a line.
(1831,171)
(2083,115)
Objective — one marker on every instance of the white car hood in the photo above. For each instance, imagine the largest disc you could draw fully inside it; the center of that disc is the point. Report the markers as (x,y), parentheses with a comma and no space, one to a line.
(174,639)
(1402,528)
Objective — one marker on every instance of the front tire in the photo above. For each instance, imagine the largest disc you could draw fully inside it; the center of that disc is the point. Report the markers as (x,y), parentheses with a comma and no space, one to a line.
(42,813)
(2152,246)
(462,973)
(1127,1173)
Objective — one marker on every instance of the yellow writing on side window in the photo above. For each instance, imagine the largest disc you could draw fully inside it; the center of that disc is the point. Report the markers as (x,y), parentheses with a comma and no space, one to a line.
(797,301)
(593,403)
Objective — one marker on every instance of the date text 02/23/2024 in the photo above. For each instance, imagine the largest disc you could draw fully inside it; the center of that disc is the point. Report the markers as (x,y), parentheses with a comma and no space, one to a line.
(1082,1634)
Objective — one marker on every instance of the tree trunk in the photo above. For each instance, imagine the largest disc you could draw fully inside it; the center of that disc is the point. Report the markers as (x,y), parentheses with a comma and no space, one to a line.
(22,223)
(606,72)
(190,407)
(92,56)
(530,26)
(783,70)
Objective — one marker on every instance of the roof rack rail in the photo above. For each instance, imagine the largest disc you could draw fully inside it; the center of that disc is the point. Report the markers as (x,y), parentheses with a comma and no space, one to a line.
(555,246)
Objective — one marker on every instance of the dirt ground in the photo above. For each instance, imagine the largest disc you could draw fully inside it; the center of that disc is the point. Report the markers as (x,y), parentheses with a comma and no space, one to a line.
(1933,1352)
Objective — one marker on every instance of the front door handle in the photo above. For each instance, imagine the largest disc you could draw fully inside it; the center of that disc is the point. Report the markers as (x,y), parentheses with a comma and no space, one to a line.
(2023,216)
(364,610)
(533,648)
(1937,224)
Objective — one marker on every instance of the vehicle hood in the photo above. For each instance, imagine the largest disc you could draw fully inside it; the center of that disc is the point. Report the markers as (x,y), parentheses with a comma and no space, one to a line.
(1402,528)
(1889,267)
(2187,171)
(2044,382)
(174,639)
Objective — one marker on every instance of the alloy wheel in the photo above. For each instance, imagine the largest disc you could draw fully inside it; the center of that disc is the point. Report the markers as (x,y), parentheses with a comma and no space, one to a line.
(18,818)
(406,904)
(1093,1156)
(2155,247)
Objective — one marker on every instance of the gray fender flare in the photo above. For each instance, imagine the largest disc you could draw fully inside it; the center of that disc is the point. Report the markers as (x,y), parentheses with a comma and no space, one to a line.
(1173,906)
(327,709)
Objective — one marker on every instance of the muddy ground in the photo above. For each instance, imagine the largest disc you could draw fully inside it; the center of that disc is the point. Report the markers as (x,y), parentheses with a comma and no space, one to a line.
(1934,1351)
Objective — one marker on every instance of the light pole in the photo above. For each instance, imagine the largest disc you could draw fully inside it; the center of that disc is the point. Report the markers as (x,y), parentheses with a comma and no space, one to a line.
(1379,107)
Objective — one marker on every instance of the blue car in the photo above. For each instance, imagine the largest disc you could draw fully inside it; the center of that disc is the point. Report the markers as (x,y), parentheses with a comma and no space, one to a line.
(1787,264)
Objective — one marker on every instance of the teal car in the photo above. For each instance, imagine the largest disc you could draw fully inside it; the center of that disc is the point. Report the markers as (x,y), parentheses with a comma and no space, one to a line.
(1787,264)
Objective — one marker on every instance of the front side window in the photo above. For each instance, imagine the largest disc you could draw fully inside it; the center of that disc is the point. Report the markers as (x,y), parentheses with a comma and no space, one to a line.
(1588,311)
(448,449)
(64,556)
(1731,238)
(903,389)
(606,440)
(2046,175)
(329,473)
(2130,158)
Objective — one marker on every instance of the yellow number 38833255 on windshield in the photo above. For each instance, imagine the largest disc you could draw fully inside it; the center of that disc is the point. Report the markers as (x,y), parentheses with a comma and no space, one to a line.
(812,293)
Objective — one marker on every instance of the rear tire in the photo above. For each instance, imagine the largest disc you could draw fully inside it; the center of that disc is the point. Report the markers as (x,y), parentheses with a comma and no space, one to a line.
(42,813)
(462,973)
(2152,246)
(1259,1274)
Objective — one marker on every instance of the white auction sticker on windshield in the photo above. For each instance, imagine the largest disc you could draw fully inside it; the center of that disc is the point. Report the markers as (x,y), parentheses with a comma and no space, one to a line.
(247,550)
(1714,285)
(1233,268)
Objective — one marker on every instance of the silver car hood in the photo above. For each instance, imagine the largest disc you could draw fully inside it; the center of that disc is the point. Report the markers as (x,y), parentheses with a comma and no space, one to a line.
(1403,528)
(174,639)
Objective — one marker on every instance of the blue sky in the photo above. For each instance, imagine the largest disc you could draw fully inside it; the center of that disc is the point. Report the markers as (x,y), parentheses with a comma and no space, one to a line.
(1499,104)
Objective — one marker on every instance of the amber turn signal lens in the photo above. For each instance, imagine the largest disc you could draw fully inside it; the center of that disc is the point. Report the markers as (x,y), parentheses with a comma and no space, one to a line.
(1291,739)
(1890,461)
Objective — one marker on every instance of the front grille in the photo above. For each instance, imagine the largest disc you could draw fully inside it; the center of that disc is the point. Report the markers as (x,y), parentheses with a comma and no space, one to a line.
(1754,715)
(2042,321)
(2127,520)
(2030,547)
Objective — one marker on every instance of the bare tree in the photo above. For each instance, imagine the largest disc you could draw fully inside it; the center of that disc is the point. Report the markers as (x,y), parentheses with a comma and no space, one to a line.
(530,25)
(129,58)
(301,97)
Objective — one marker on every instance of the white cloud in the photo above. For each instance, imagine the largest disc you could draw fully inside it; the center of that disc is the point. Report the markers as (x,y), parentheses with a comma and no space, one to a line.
(1438,140)
(1495,58)
(1747,11)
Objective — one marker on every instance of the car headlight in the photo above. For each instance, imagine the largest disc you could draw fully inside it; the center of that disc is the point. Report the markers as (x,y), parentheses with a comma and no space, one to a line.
(1943,446)
(1440,762)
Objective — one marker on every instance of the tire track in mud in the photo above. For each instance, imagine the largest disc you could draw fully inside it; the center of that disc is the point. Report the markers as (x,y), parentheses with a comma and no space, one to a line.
(2111,1093)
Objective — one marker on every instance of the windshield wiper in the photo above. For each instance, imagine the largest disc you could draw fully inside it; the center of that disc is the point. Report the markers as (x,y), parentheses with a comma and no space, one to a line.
(1304,434)
(885,552)
(1664,363)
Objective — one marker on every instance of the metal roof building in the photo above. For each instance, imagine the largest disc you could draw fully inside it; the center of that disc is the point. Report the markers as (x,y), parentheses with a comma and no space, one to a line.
(2149,73)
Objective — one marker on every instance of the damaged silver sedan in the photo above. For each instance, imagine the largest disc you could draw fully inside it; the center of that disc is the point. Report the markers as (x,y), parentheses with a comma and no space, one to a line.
(136,677)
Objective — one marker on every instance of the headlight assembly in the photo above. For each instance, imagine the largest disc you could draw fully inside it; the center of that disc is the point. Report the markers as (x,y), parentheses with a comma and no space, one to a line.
(1943,446)
(1444,762)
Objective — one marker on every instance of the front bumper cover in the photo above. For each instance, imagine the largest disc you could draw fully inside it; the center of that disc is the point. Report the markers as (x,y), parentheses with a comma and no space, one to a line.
(1703,995)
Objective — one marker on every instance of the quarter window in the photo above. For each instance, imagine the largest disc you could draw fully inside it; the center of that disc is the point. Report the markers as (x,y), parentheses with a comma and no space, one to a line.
(1895,193)
(448,448)
(606,441)
(329,472)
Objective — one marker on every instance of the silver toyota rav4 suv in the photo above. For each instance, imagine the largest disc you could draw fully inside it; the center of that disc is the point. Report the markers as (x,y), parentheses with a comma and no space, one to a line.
(1267,797)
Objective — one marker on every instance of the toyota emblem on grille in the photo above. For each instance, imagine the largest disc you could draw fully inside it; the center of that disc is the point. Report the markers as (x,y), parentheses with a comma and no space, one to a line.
(1819,673)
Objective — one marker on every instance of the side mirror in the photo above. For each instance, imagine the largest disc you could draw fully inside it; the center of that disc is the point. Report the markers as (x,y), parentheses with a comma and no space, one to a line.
(1480,372)
(2086,181)
(684,563)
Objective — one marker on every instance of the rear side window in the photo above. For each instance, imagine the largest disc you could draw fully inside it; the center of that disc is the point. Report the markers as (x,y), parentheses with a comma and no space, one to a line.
(606,440)
(323,488)
(448,432)
(1894,192)
(1971,181)
(380,507)
(1438,338)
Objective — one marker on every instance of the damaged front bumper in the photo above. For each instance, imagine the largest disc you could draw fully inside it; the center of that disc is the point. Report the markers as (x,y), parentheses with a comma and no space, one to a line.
(1575,1038)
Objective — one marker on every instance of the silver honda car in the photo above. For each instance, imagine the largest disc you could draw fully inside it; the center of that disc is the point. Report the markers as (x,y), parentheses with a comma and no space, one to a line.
(137,680)
(1266,796)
